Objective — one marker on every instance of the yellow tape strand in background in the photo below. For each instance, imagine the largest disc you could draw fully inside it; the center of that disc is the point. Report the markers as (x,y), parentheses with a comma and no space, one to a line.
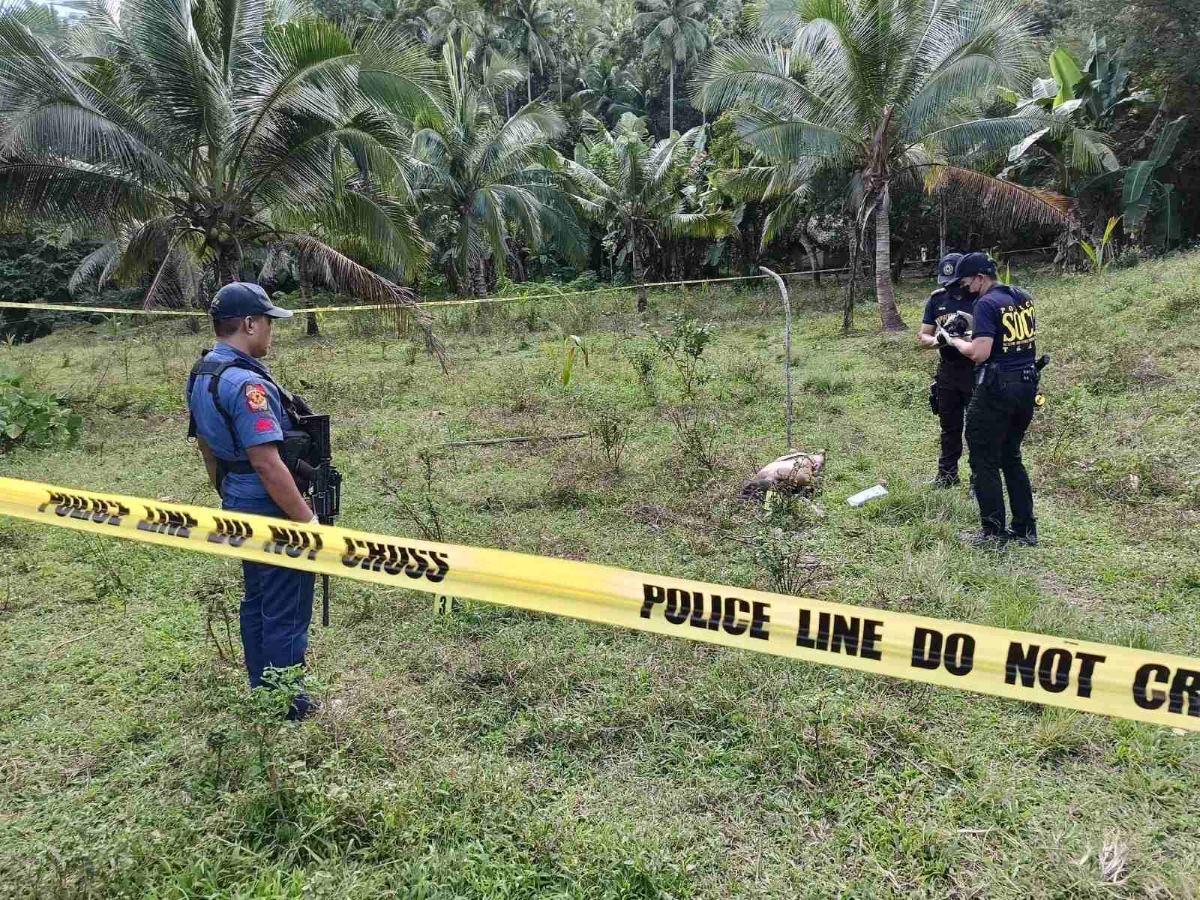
(1096,678)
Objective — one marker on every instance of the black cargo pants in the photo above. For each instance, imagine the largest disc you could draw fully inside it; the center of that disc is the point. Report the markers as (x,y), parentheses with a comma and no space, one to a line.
(953,384)
(1000,412)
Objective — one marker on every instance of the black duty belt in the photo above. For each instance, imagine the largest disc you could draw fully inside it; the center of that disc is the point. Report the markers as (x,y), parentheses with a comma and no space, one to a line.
(1029,373)
(236,466)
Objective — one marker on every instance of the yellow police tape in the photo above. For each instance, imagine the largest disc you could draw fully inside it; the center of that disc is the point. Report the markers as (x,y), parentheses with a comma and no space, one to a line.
(375,307)
(1095,678)
(64,307)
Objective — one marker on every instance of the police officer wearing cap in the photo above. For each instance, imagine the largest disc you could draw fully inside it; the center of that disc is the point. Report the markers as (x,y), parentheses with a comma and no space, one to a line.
(1003,348)
(239,420)
(949,309)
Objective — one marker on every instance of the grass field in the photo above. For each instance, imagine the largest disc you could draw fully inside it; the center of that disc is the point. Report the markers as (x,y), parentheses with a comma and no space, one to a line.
(498,754)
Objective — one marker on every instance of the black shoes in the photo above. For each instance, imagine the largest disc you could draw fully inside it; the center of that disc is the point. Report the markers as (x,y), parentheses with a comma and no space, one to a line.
(1027,536)
(945,480)
(985,539)
(303,707)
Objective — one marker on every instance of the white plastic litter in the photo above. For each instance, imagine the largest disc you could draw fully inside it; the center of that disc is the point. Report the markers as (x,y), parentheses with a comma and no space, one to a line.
(871,493)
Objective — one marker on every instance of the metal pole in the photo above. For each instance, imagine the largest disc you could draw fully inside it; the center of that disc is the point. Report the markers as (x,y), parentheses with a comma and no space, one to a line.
(787,345)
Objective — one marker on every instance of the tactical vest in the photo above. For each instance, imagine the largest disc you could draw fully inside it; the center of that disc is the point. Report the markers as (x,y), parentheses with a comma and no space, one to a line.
(297,444)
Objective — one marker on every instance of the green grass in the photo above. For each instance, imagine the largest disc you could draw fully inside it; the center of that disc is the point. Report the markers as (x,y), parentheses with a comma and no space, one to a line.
(495,753)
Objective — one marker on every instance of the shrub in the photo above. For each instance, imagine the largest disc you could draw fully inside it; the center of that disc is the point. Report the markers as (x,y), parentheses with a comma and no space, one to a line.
(644,360)
(1127,258)
(684,348)
(33,418)
(610,426)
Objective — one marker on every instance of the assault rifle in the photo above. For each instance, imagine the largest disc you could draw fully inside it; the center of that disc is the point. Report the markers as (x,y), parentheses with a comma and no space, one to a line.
(325,489)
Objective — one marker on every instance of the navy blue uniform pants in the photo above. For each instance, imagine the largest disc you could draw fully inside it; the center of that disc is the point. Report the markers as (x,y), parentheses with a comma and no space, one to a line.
(999,414)
(953,384)
(277,606)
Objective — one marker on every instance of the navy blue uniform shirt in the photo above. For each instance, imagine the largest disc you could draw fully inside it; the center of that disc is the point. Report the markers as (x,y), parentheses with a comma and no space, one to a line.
(251,399)
(1005,314)
(942,304)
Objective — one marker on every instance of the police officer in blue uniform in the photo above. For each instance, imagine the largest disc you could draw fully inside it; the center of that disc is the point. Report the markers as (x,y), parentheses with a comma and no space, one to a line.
(239,419)
(1003,348)
(949,309)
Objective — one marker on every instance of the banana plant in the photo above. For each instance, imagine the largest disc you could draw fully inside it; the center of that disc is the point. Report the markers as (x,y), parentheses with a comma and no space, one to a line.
(1098,255)
(1073,136)
(1087,102)
(1141,188)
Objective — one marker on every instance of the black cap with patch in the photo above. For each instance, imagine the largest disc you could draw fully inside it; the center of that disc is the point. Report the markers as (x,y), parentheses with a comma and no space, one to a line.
(245,298)
(946,268)
(975,264)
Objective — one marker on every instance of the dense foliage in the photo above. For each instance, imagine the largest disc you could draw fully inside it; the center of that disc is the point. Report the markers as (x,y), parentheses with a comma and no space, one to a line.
(366,144)
(33,418)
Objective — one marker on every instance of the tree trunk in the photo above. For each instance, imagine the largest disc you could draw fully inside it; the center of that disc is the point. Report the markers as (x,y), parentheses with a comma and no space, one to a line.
(311,327)
(942,248)
(812,259)
(229,265)
(885,294)
(480,285)
(639,277)
(529,82)
(671,100)
(508,103)
(852,279)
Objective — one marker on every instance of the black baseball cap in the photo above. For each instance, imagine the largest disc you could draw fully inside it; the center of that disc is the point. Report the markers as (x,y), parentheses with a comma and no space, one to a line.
(245,298)
(975,264)
(946,269)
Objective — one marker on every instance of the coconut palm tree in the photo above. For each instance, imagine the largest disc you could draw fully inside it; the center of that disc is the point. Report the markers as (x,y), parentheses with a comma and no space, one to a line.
(446,21)
(483,182)
(191,131)
(633,191)
(886,90)
(533,22)
(677,35)
(608,92)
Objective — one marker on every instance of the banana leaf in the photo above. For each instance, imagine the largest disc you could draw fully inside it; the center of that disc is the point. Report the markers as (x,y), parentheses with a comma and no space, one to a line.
(1066,73)
(1168,223)
(1138,191)
(1167,139)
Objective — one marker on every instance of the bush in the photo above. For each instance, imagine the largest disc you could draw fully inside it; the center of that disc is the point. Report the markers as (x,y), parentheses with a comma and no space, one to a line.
(33,418)
(610,426)
(35,267)
(1127,258)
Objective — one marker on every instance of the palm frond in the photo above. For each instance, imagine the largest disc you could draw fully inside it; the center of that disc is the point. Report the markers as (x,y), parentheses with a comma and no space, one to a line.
(698,225)
(754,74)
(348,277)
(91,267)
(1006,203)
(61,192)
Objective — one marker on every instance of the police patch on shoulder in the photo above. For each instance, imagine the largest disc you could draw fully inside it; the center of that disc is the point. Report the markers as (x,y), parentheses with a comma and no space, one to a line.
(256,397)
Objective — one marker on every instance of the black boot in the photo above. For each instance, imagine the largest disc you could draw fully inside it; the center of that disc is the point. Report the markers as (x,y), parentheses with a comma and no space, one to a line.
(985,539)
(1027,536)
(944,480)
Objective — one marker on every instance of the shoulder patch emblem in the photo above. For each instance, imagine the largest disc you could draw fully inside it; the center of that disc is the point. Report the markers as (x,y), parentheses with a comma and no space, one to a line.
(256,397)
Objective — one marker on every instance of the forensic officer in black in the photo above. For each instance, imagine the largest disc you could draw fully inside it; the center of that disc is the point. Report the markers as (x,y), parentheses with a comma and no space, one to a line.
(1003,348)
(241,419)
(949,310)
